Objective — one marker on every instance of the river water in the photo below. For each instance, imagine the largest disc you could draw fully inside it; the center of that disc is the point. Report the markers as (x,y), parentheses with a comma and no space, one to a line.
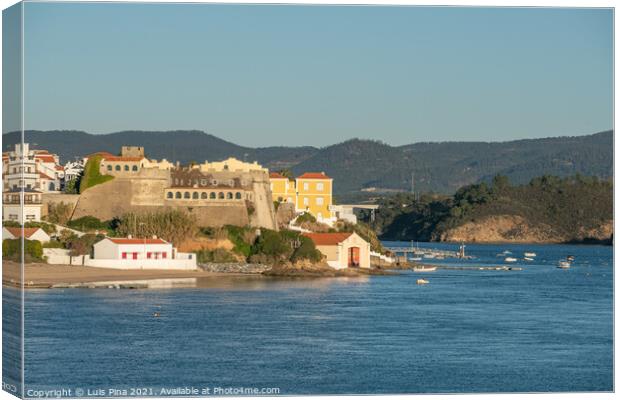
(536,330)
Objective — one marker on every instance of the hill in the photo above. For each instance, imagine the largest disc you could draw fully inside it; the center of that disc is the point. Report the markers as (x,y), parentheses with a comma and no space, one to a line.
(548,209)
(378,167)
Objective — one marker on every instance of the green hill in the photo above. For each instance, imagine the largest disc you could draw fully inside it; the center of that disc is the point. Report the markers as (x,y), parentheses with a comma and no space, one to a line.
(362,164)
(548,209)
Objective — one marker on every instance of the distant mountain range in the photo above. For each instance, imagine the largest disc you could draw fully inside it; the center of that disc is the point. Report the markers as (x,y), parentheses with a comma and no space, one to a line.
(361,164)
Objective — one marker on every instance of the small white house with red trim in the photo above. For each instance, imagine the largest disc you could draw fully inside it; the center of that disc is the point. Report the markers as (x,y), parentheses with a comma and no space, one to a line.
(139,253)
(342,249)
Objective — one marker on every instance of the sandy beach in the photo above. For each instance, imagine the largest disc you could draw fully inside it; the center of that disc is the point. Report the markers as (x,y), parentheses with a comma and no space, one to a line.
(44,275)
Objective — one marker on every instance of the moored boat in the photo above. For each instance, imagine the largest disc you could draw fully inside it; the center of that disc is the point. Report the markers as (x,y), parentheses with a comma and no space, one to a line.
(529,254)
(510,259)
(424,269)
(528,258)
(421,282)
(564,264)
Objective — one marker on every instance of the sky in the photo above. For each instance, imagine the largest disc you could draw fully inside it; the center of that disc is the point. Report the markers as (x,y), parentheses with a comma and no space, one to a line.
(262,75)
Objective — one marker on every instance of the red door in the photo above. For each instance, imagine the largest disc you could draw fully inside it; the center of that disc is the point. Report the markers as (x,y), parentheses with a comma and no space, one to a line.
(354,257)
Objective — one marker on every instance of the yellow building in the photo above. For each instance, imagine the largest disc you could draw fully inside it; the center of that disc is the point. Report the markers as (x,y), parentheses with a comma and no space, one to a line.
(314,194)
(282,188)
(310,192)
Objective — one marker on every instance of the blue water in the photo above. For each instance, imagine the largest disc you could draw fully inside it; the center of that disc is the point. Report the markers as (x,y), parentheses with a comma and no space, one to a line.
(537,330)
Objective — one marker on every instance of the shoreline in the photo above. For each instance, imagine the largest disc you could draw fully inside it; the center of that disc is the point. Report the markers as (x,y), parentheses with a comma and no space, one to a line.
(45,276)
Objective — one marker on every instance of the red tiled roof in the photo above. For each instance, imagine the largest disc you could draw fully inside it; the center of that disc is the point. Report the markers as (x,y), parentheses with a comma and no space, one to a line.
(276,175)
(328,239)
(45,158)
(137,241)
(101,153)
(313,175)
(59,168)
(17,232)
(44,176)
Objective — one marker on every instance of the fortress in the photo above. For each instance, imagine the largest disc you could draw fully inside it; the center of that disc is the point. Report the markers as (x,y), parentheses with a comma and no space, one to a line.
(215,194)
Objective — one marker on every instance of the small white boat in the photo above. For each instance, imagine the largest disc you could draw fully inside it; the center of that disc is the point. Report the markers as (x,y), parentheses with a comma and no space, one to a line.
(415,259)
(564,264)
(421,282)
(507,252)
(529,254)
(510,259)
(528,258)
(424,269)
(429,256)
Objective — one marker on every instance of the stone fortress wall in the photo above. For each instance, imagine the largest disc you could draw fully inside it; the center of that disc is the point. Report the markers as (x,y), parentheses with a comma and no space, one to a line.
(215,194)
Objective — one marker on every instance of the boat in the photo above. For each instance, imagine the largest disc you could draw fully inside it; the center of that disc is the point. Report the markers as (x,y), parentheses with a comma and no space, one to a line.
(528,258)
(564,264)
(510,259)
(570,258)
(415,259)
(529,254)
(424,269)
(429,255)
(507,252)
(421,282)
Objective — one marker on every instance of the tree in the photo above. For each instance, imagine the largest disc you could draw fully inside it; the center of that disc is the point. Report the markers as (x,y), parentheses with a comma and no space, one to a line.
(59,213)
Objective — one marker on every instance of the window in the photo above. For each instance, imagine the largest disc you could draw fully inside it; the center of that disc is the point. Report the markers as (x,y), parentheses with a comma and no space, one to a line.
(195,195)
(178,195)
(164,255)
(319,201)
(212,195)
(203,195)
(169,195)
(229,195)
(126,167)
(238,195)
(124,256)
(118,168)
(214,182)
(135,256)
(134,168)
(203,182)
(109,168)
(186,195)
(30,217)
(319,186)
(306,185)
(280,199)
(148,255)
(220,195)
(305,201)
(13,217)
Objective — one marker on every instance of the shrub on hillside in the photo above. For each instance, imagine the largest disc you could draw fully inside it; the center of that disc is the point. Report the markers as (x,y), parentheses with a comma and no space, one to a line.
(88,223)
(174,226)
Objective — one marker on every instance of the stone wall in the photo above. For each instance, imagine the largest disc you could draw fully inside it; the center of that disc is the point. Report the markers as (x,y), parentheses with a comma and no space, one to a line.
(146,193)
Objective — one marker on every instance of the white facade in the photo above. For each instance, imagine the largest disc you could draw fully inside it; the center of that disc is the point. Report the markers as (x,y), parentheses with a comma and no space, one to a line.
(129,253)
(31,169)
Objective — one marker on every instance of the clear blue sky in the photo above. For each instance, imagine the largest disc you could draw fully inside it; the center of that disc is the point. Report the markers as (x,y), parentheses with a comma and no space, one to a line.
(318,75)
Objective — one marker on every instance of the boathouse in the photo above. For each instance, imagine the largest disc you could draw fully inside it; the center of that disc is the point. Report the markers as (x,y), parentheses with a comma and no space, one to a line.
(342,249)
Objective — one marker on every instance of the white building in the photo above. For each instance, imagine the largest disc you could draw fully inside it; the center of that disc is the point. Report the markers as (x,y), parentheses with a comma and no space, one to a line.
(9,232)
(342,249)
(31,169)
(13,210)
(139,253)
(73,169)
